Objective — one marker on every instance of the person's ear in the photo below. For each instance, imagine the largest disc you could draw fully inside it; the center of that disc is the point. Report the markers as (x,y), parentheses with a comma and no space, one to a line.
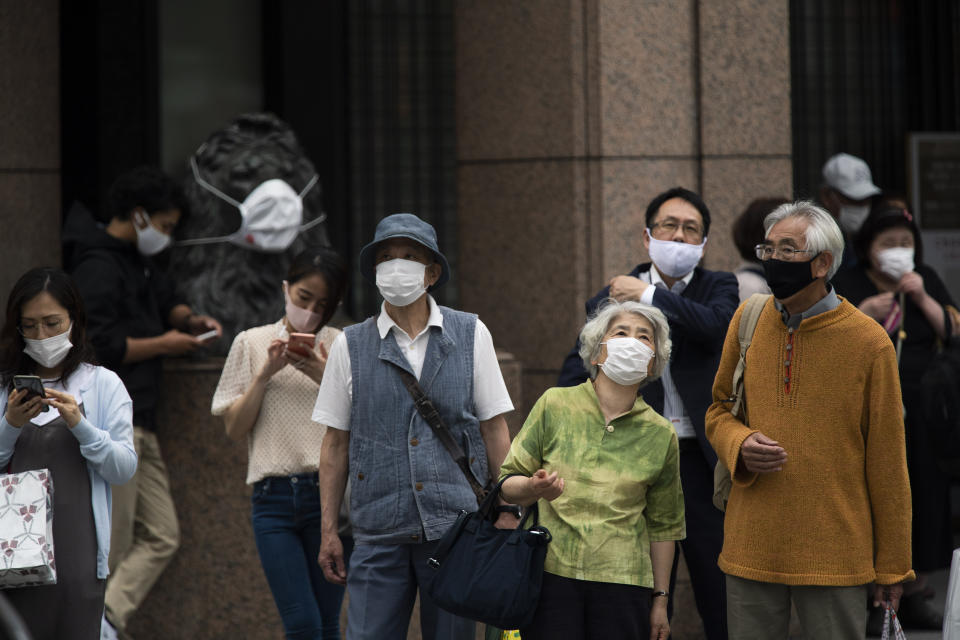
(646,241)
(821,264)
(432,274)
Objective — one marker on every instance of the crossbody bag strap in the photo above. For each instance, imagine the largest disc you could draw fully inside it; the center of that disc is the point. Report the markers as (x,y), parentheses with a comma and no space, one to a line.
(432,417)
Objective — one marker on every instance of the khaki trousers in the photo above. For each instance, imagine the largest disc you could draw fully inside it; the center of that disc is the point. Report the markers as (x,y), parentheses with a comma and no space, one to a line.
(144,532)
(761,610)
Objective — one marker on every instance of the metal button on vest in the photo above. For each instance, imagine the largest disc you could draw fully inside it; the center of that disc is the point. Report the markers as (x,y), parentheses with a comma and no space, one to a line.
(414,538)
(294,479)
(419,486)
(414,442)
(359,476)
(609,428)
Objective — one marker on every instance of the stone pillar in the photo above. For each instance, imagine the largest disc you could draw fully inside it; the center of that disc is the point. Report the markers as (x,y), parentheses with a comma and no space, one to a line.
(30,134)
(572,115)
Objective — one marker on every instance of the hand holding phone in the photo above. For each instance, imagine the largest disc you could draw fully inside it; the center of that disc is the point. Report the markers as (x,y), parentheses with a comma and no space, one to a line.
(301,343)
(209,335)
(34,387)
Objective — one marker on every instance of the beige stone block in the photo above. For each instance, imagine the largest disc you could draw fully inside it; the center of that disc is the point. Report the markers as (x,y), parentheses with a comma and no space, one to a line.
(628,187)
(524,235)
(30,84)
(519,79)
(729,185)
(30,219)
(645,77)
(745,70)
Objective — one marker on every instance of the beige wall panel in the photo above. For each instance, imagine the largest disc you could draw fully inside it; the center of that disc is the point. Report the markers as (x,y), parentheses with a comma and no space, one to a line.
(519,79)
(646,78)
(728,187)
(745,70)
(30,84)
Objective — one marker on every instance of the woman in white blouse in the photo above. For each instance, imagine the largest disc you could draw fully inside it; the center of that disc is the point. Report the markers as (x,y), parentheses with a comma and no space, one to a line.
(266,395)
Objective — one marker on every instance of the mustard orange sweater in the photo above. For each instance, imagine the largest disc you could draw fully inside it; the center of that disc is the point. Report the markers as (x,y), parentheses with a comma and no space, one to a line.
(838,514)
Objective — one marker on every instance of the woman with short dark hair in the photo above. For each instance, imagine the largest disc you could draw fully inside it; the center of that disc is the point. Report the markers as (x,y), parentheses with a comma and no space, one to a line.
(82,431)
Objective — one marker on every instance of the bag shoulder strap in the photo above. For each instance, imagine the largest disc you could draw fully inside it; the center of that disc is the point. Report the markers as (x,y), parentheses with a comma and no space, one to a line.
(748,325)
(431,416)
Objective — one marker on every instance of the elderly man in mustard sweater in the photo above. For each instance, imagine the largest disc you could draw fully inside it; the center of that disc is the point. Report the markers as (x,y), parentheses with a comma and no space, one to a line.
(820,504)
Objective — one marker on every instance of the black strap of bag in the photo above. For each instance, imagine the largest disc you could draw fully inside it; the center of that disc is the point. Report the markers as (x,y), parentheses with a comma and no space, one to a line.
(432,417)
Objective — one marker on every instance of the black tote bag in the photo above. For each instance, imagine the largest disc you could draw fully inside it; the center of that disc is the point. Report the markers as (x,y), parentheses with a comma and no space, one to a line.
(487,574)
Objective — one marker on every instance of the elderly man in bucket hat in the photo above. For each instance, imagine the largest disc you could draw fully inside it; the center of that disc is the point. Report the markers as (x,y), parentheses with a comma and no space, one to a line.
(406,489)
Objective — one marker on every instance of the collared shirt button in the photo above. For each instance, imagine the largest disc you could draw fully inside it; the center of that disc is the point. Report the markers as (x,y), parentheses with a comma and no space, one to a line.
(419,486)
(360,476)
(609,428)
(414,442)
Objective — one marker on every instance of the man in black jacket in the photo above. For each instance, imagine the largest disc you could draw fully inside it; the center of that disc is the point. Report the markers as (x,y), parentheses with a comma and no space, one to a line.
(699,305)
(134,318)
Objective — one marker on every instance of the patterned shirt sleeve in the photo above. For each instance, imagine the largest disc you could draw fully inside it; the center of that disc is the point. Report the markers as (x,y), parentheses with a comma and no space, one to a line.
(526,450)
(236,376)
(664,512)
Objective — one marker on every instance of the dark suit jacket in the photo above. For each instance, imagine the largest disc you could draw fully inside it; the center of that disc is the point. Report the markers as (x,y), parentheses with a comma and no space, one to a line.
(698,319)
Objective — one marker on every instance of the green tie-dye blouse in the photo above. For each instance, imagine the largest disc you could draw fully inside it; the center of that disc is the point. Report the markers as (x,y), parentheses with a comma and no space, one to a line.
(622,484)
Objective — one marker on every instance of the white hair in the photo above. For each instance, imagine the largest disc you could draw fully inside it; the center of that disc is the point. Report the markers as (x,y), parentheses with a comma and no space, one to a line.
(591,336)
(822,233)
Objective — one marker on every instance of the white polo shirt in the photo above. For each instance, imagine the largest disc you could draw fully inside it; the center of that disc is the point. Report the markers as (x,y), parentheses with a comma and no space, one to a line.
(335,398)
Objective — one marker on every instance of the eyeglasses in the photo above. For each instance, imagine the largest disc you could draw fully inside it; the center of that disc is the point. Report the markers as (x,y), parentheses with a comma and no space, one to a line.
(51,326)
(766,251)
(669,227)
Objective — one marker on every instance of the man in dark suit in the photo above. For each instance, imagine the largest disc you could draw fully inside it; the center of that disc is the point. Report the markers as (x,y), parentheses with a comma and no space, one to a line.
(699,305)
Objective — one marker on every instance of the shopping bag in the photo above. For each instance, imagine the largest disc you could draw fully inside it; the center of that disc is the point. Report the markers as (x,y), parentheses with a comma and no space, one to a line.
(26,529)
(891,625)
(951,613)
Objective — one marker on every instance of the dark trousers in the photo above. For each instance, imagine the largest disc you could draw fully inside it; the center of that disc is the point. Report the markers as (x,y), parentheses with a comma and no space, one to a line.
(704,541)
(583,610)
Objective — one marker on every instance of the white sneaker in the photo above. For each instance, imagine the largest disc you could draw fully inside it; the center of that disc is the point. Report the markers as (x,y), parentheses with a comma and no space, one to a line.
(107,632)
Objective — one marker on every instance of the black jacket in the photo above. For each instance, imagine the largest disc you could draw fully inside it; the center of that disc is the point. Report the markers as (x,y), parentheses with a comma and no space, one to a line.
(698,319)
(125,295)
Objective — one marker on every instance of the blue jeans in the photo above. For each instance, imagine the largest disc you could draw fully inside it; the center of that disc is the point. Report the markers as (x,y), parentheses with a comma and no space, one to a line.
(286,526)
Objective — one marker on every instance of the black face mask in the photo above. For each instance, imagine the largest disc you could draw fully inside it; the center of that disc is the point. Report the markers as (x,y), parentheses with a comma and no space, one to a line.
(787,278)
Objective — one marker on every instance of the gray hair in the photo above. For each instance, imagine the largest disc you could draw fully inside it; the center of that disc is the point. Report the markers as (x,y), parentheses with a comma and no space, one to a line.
(591,336)
(822,233)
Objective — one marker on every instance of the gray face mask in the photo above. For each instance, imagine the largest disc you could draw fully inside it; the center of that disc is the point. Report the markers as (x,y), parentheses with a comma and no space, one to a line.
(852,217)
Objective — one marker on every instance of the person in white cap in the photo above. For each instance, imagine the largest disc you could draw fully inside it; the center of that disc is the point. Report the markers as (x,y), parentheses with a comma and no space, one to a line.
(846,193)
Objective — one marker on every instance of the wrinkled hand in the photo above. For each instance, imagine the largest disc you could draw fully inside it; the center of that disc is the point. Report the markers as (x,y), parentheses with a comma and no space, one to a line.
(197,324)
(312,364)
(878,306)
(177,343)
(627,288)
(912,285)
(275,359)
(659,624)
(888,592)
(760,454)
(330,560)
(546,486)
(66,404)
(20,411)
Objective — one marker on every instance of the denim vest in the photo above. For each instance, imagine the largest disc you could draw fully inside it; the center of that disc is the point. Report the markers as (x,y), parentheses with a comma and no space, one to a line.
(405,486)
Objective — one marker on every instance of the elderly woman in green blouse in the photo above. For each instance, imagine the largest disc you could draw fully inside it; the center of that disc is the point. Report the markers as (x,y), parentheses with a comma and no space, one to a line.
(605,467)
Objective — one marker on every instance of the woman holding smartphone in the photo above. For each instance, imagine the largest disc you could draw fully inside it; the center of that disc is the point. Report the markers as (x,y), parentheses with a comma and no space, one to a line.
(85,439)
(266,395)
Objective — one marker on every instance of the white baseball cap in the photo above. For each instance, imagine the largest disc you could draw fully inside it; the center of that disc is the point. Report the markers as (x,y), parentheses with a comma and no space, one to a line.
(850,176)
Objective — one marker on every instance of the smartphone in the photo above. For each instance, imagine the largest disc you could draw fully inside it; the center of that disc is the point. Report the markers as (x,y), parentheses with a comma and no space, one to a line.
(33,385)
(209,335)
(300,343)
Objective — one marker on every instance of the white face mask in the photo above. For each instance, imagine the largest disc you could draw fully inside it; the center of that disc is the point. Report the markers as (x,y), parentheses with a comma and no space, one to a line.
(270,216)
(627,361)
(302,320)
(896,261)
(401,282)
(675,259)
(851,218)
(150,240)
(51,351)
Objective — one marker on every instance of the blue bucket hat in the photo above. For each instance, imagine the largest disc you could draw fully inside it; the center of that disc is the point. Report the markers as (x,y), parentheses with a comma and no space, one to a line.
(403,225)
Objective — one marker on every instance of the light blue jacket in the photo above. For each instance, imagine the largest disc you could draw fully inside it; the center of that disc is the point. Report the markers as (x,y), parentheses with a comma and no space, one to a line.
(405,487)
(105,434)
